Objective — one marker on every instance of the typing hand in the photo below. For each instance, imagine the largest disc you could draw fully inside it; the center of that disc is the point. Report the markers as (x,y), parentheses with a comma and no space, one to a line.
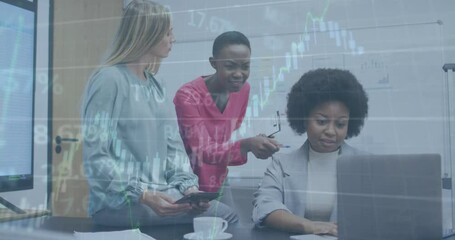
(322,228)
(163,205)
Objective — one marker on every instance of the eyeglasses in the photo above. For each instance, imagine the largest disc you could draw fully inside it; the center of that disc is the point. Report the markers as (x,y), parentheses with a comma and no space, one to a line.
(276,124)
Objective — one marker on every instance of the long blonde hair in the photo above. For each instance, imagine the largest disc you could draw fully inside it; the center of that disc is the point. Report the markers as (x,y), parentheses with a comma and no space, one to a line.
(144,23)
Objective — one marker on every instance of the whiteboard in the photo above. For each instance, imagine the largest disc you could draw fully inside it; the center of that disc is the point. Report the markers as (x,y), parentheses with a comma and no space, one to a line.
(395,52)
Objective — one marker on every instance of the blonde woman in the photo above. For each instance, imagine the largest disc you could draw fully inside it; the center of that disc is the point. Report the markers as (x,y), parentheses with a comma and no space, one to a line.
(136,171)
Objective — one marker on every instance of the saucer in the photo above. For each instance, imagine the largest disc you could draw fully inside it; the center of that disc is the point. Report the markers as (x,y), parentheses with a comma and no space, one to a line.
(196,236)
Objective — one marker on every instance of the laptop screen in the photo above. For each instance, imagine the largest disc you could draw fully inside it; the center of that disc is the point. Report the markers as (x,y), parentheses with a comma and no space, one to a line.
(389,197)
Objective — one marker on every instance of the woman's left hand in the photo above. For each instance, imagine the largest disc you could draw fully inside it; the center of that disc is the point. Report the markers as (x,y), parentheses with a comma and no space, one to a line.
(192,189)
(198,207)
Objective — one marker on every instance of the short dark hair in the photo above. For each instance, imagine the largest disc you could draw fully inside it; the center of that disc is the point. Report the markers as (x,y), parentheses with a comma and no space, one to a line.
(229,38)
(323,85)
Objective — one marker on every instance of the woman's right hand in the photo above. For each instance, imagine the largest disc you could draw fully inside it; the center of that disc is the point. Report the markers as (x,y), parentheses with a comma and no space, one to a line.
(261,146)
(163,205)
(329,228)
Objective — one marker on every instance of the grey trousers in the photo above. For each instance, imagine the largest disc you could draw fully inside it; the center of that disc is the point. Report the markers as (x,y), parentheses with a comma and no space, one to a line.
(138,215)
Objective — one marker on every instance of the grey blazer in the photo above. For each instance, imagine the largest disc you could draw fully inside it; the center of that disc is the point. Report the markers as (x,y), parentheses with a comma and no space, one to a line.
(284,184)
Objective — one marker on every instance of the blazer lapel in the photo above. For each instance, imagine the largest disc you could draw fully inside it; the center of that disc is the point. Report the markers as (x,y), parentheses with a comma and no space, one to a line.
(295,168)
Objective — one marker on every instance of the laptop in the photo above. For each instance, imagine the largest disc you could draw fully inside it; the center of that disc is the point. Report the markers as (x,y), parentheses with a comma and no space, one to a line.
(393,197)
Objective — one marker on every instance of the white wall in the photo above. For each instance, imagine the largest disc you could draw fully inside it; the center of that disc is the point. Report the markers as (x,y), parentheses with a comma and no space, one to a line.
(396,52)
(395,47)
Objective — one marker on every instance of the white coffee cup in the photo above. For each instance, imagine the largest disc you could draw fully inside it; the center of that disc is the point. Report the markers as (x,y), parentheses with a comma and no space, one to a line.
(209,226)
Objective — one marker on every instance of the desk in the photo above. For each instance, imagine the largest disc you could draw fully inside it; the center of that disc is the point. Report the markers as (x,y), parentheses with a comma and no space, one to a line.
(8,215)
(171,232)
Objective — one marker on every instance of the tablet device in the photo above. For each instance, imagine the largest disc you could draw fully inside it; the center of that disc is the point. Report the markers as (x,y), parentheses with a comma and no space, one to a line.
(198,197)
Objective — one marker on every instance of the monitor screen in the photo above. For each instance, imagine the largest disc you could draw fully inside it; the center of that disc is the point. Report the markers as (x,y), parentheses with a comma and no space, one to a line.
(17,79)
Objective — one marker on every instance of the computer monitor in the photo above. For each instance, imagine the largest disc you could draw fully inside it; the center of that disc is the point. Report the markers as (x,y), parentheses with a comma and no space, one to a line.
(17,78)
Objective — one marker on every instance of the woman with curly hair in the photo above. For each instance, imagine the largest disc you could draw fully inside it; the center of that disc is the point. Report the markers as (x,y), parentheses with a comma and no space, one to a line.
(298,191)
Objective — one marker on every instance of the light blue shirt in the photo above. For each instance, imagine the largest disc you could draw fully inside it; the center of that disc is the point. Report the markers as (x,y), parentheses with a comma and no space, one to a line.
(130,141)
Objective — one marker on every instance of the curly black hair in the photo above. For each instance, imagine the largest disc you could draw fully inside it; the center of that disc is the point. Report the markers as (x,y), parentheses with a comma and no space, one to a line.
(323,85)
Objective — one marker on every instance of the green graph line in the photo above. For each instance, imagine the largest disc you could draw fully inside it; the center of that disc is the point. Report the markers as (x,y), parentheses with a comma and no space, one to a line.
(286,69)
(130,212)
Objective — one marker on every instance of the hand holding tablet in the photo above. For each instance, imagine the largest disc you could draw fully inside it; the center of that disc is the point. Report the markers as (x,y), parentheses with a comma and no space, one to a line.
(196,197)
